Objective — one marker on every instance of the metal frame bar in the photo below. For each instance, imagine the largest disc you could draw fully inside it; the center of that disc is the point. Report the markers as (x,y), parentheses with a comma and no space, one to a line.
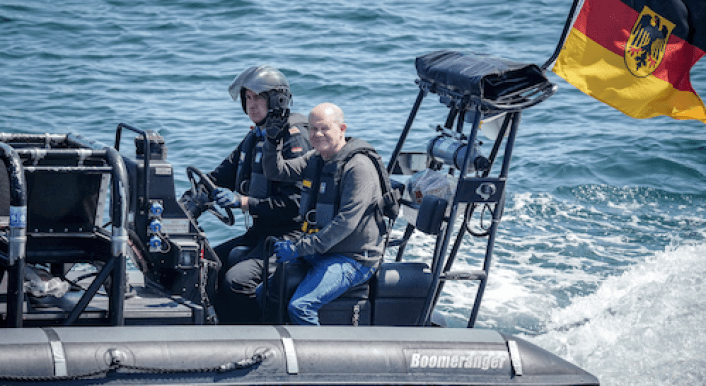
(147,156)
(447,232)
(115,265)
(441,264)
(17,234)
(497,214)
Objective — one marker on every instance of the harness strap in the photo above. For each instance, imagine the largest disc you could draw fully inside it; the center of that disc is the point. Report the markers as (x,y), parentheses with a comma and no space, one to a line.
(309,226)
(387,193)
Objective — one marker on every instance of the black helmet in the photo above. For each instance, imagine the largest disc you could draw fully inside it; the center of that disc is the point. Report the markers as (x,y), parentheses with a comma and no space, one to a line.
(259,79)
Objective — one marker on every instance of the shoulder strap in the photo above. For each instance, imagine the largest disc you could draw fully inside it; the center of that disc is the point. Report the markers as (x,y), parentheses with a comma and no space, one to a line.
(315,183)
(244,168)
(389,204)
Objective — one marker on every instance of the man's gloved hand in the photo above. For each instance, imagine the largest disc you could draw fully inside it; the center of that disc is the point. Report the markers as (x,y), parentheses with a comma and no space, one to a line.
(195,204)
(276,125)
(225,198)
(285,251)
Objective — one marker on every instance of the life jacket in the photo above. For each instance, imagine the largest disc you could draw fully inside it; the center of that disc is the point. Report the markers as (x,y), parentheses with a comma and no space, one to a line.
(250,178)
(321,187)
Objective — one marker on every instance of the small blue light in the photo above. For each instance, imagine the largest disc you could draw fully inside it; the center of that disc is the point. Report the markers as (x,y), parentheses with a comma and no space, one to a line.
(155,242)
(156,209)
(156,226)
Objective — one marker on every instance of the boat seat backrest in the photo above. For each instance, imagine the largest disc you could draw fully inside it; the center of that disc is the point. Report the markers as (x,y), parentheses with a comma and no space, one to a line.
(399,292)
(402,279)
(63,202)
(431,214)
(65,211)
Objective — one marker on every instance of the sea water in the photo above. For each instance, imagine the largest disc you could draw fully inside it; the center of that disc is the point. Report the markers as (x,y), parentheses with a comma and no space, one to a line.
(600,251)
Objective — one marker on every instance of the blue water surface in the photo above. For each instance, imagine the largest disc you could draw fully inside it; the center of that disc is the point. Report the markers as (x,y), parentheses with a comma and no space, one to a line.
(599,254)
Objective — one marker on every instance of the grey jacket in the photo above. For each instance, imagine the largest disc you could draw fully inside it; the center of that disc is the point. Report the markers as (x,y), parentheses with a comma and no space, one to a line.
(357,230)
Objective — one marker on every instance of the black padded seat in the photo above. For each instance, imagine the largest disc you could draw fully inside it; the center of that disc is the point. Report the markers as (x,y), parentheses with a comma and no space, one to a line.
(341,311)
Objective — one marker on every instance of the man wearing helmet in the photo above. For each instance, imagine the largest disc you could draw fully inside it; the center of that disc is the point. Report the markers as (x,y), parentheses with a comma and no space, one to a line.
(265,97)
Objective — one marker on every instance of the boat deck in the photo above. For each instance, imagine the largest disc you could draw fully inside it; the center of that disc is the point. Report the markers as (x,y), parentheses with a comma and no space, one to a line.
(144,305)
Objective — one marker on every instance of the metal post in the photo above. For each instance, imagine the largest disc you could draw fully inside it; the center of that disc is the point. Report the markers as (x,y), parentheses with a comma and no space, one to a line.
(147,153)
(119,239)
(438,256)
(497,214)
(564,33)
(17,234)
(407,127)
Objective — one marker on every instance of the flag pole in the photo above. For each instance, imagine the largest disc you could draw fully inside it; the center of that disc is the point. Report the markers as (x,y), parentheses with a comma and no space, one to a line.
(567,26)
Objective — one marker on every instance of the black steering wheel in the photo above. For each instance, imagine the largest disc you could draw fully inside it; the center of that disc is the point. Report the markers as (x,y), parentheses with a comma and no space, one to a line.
(204,189)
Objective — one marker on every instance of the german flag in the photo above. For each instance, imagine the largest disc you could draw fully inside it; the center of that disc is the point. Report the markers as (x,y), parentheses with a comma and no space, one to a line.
(636,55)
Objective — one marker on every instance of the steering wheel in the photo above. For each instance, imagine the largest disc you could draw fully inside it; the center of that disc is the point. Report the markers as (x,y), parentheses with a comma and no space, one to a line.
(204,188)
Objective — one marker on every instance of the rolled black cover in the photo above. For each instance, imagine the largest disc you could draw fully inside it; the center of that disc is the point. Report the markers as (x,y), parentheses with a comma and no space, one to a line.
(476,74)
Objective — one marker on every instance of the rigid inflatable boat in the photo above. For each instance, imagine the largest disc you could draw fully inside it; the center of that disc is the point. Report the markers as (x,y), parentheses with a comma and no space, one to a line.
(68,201)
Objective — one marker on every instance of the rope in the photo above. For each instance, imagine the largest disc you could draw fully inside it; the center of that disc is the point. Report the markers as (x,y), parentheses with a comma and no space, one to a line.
(116,365)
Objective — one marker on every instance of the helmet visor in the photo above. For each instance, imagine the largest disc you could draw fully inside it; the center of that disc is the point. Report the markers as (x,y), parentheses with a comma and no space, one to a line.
(258,79)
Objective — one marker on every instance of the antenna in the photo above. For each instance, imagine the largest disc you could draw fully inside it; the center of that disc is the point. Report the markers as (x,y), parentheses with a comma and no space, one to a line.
(567,26)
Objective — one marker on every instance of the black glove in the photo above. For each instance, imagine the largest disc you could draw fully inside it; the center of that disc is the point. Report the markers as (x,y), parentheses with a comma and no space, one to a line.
(195,203)
(276,125)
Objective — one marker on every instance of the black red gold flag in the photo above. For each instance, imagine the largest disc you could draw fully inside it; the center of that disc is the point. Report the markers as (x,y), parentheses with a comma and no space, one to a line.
(636,55)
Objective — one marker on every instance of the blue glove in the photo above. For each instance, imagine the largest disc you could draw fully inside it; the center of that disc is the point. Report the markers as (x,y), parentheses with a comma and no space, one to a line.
(285,251)
(225,198)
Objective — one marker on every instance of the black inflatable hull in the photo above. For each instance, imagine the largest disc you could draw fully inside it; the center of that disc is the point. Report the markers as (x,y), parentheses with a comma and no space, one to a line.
(277,355)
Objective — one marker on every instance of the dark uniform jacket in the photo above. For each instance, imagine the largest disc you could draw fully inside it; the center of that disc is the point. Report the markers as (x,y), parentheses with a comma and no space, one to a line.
(274,205)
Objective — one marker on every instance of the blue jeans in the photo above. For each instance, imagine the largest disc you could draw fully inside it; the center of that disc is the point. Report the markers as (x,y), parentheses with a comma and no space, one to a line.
(328,278)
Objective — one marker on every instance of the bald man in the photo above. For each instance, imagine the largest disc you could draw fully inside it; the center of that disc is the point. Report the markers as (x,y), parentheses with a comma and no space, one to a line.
(343,223)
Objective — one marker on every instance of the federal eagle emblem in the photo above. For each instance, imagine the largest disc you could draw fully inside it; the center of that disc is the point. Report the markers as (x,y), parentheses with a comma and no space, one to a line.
(647,43)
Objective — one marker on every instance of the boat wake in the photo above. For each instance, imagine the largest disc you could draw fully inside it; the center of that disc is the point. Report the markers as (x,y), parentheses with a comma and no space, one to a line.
(642,327)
